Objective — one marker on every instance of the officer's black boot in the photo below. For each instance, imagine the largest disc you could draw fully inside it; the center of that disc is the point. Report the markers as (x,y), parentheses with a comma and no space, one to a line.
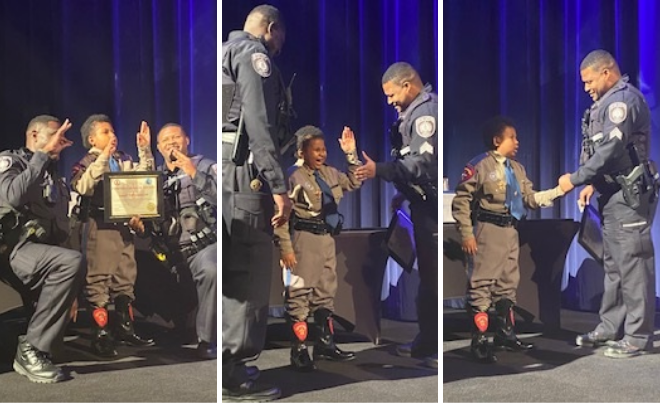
(103,344)
(505,336)
(34,364)
(300,359)
(125,331)
(480,348)
(325,347)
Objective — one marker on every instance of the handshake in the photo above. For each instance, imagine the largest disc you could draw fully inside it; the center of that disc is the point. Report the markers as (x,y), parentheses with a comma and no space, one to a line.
(567,186)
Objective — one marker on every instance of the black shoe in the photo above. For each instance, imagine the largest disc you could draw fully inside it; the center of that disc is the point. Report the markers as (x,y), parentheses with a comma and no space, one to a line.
(481,349)
(325,347)
(511,344)
(129,337)
(300,359)
(34,364)
(251,392)
(103,344)
(332,352)
(206,350)
(125,331)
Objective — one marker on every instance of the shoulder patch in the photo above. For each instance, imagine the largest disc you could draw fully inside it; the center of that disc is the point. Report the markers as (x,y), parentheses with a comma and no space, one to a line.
(214,167)
(468,172)
(261,64)
(425,126)
(5,163)
(617,112)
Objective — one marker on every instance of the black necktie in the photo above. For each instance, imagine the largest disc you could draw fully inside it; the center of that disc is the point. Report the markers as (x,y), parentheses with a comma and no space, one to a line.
(329,205)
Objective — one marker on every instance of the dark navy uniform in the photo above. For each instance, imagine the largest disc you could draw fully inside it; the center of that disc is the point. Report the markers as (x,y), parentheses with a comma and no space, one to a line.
(192,202)
(418,165)
(618,119)
(30,184)
(258,93)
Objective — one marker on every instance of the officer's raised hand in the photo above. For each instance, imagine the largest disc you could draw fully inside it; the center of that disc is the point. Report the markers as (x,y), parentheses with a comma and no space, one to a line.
(144,136)
(347,140)
(183,162)
(367,170)
(57,141)
(469,246)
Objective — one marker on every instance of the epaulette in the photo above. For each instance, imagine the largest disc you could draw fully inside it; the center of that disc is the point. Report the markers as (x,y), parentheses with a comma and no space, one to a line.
(469,170)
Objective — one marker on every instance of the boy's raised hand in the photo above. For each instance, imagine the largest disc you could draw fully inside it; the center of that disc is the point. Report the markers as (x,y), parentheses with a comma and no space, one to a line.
(347,140)
(144,136)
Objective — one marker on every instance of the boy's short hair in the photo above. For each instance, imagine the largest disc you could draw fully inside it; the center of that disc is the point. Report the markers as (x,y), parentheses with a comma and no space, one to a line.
(88,127)
(494,127)
(305,134)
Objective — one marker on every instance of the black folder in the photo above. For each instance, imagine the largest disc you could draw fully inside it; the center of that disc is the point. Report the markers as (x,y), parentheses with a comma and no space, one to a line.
(591,233)
(400,241)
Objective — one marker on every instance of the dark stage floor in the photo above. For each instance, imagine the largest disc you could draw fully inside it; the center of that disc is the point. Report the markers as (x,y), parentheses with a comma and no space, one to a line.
(556,371)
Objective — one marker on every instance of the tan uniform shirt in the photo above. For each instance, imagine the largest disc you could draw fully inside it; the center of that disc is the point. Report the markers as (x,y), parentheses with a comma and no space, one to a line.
(484,185)
(307,197)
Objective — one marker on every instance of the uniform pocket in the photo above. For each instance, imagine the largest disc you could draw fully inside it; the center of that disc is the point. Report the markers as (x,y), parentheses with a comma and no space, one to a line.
(637,239)
(248,211)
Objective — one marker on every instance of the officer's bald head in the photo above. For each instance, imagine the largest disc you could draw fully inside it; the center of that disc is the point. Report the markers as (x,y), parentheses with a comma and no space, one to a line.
(599,72)
(263,15)
(401,85)
(41,121)
(600,59)
(39,130)
(265,21)
(399,73)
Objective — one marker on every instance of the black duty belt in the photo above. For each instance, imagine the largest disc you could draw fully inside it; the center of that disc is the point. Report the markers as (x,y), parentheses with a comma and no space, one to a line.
(499,219)
(310,225)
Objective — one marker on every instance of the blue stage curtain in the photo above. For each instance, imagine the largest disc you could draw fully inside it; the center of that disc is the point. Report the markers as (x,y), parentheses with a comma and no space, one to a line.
(153,60)
(340,50)
(521,58)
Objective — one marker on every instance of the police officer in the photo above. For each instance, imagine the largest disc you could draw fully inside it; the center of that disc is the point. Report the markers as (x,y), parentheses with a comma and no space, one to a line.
(251,176)
(615,163)
(415,167)
(34,200)
(188,231)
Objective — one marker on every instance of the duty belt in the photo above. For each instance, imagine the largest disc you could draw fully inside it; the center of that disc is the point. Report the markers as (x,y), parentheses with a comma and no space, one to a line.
(499,219)
(310,225)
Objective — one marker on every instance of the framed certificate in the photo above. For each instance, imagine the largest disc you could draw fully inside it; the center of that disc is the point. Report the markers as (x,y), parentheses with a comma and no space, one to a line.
(400,241)
(132,193)
(591,233)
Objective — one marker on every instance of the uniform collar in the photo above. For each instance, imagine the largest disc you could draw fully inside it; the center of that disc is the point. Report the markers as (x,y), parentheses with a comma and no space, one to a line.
(622,83)
(421,98)
(497,156)
(236,35)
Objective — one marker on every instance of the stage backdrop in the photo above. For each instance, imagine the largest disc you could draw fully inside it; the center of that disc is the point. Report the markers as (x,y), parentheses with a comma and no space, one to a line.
(521,58)
(152,60)
(340,50)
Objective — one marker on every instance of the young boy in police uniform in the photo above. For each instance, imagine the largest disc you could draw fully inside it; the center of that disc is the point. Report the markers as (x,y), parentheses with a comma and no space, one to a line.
(309,250)
(108,247)
(494,190)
